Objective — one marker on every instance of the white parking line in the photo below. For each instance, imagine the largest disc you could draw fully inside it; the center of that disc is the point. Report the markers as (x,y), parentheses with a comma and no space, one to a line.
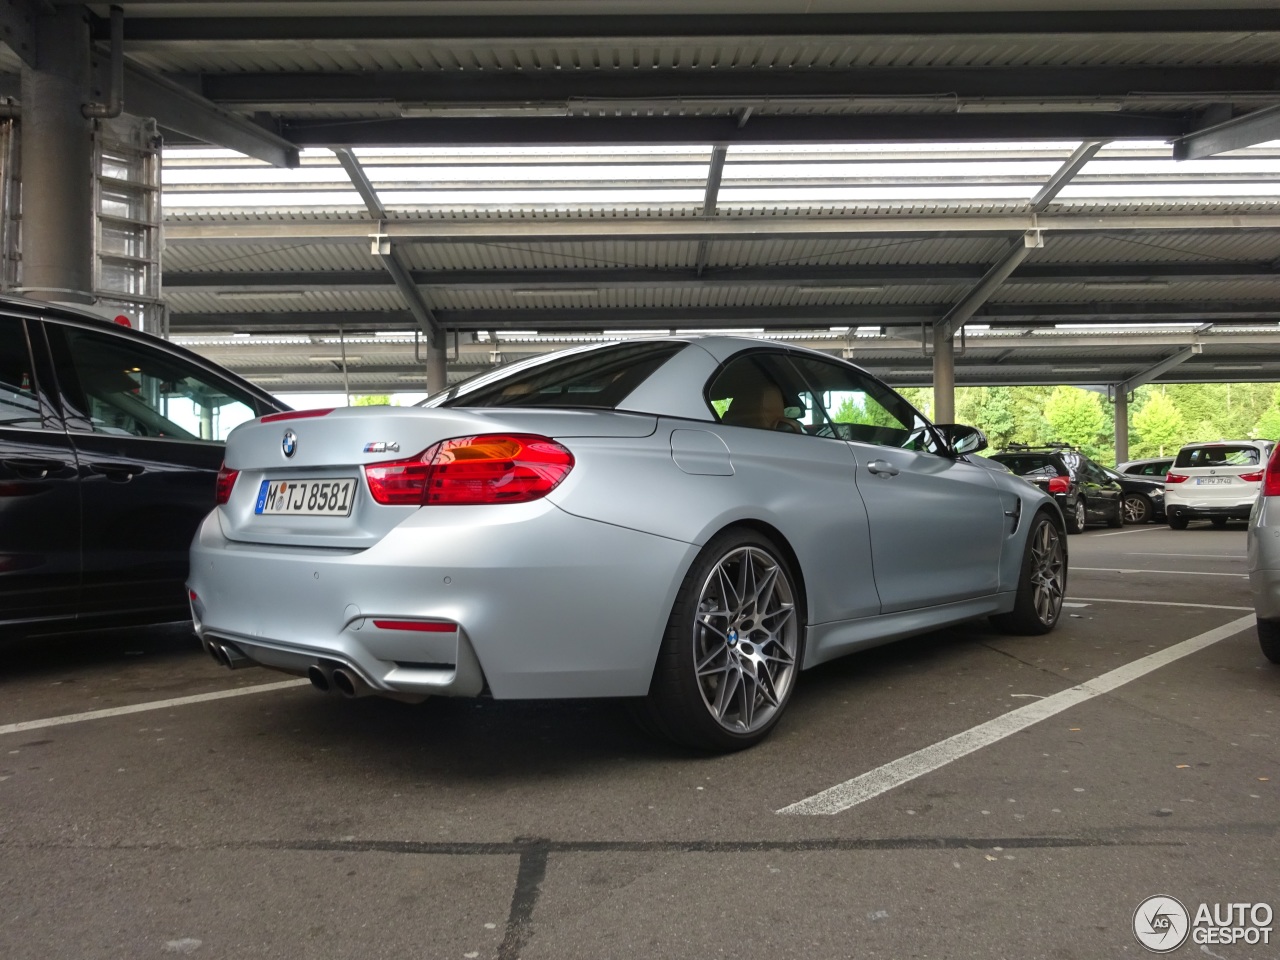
(144,707)
(1181,573)
(1117,533)
(1194,556)
(1163,603)
(885,778)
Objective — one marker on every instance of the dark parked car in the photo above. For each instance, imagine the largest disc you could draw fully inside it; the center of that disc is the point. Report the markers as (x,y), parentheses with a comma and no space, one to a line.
(1143,496)
(1155,467)
(1083,489)
(110,444)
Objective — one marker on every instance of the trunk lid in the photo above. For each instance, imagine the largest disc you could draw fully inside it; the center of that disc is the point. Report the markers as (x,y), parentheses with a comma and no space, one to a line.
(330,451)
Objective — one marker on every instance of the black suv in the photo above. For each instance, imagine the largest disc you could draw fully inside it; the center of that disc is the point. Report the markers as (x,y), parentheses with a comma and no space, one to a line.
(110,444)
(1083,489)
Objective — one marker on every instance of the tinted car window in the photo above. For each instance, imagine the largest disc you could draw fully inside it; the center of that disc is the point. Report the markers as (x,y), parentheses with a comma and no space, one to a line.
(860,408)
(125,389)
(1219,455)
(19,401)
(1030,465)
(600,379)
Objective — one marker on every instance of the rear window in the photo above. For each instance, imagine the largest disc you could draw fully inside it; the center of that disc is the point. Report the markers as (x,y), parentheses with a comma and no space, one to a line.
(600,379)
(1219,455)
(1029,465)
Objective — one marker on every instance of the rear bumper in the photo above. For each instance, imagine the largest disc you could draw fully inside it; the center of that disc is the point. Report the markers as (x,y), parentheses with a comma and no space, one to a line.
(545,604)
(1185,505)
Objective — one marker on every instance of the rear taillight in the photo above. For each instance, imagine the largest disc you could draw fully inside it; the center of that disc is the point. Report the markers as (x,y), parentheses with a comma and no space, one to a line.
(296,415)
(1176,478)
(1251,477)
(1271,479)
(494,468)
(1059,485)
(226,480)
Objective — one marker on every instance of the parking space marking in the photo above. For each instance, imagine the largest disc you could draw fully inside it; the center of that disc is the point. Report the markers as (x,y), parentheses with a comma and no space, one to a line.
(1180,573)
(1193,556)
(1120,533)
(897,772)
(1165,603)
(144,707)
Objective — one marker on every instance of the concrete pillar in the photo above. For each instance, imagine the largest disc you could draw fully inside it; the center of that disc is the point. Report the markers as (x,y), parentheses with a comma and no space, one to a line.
(1122,426)
(57,163)
(437,363)
(944,380)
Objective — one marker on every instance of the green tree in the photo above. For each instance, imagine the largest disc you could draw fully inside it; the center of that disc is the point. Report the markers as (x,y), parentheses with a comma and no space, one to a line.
(1268,425)
(1158,427)
(1077,418)
(371,400)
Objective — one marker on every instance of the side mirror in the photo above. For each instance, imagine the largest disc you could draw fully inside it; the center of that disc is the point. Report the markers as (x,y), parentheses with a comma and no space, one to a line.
(961,439)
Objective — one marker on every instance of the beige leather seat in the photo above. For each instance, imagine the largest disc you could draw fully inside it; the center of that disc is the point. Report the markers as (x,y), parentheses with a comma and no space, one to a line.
(760,405)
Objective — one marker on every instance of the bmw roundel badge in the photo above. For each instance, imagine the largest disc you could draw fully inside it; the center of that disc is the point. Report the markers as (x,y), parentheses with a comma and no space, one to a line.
(290,443)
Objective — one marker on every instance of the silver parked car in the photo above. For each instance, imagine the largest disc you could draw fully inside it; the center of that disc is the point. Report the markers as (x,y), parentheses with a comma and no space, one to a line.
(685,521)
(1264,558)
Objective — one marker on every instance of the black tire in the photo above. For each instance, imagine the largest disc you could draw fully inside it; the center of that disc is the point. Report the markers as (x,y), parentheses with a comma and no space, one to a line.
(1075,517)
(1042,583)
(1117,520)
(716,622)
(1219,523)
(1269,639)
(1137,508)
(1178,523)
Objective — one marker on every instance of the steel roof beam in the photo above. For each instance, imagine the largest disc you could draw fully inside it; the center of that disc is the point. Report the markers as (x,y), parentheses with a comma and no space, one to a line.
(18,28)
(1258,126)
(743,85)
(647,130)
(685,228)
(1209,20)
(1157,370)
(391,260)
(715,171)
(1075,163)
(149,94)
(819,315)
(819,277)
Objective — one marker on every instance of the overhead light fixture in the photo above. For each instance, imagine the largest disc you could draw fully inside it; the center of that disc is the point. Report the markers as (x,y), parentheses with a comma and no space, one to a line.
(261,294)
(331,358)
(242,336)
(267,379)
(1237,366)
(843,288)
(483,110)
(1125,284)
(1040,106)
(1076,369)
(555,292)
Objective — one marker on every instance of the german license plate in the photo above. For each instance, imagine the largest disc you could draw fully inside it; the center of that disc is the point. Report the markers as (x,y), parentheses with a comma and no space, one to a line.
(1205,481)
(306,498)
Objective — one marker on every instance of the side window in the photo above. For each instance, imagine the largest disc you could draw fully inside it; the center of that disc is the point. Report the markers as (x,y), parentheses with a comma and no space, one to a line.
(127,388)
(19,399)
(858,407)
(764,391)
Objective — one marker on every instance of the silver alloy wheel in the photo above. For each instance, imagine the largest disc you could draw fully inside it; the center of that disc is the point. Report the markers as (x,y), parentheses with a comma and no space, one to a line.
(1048,572)
(745,639)
(1136,509)
(1080,514)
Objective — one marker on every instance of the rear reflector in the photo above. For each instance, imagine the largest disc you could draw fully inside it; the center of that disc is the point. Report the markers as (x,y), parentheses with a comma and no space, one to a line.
(1176,478)
(1271,482)
(226,481)
(295,415)
(421,626)
(493,468)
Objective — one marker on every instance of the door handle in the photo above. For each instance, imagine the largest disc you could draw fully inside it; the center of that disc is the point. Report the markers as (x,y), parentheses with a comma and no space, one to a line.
(882,468)
(31,468)
(117,472)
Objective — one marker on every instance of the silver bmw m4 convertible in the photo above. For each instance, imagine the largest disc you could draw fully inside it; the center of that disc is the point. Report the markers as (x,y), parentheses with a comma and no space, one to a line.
(687,521)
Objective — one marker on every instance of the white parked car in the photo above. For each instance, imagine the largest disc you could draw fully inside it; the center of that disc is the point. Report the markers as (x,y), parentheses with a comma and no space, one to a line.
(1264,559)
(1216,481)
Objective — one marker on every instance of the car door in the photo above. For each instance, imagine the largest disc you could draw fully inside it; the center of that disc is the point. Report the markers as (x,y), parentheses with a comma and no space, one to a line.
(1103,494)
(39,487)
(148,424)
(937,523)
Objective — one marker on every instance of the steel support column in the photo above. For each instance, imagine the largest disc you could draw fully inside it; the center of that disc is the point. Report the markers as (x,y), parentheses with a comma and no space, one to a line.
(1122,427)
(57,163)
(944,379)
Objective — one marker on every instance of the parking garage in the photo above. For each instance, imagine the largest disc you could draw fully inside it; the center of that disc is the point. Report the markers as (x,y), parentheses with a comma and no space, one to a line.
(395,202)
